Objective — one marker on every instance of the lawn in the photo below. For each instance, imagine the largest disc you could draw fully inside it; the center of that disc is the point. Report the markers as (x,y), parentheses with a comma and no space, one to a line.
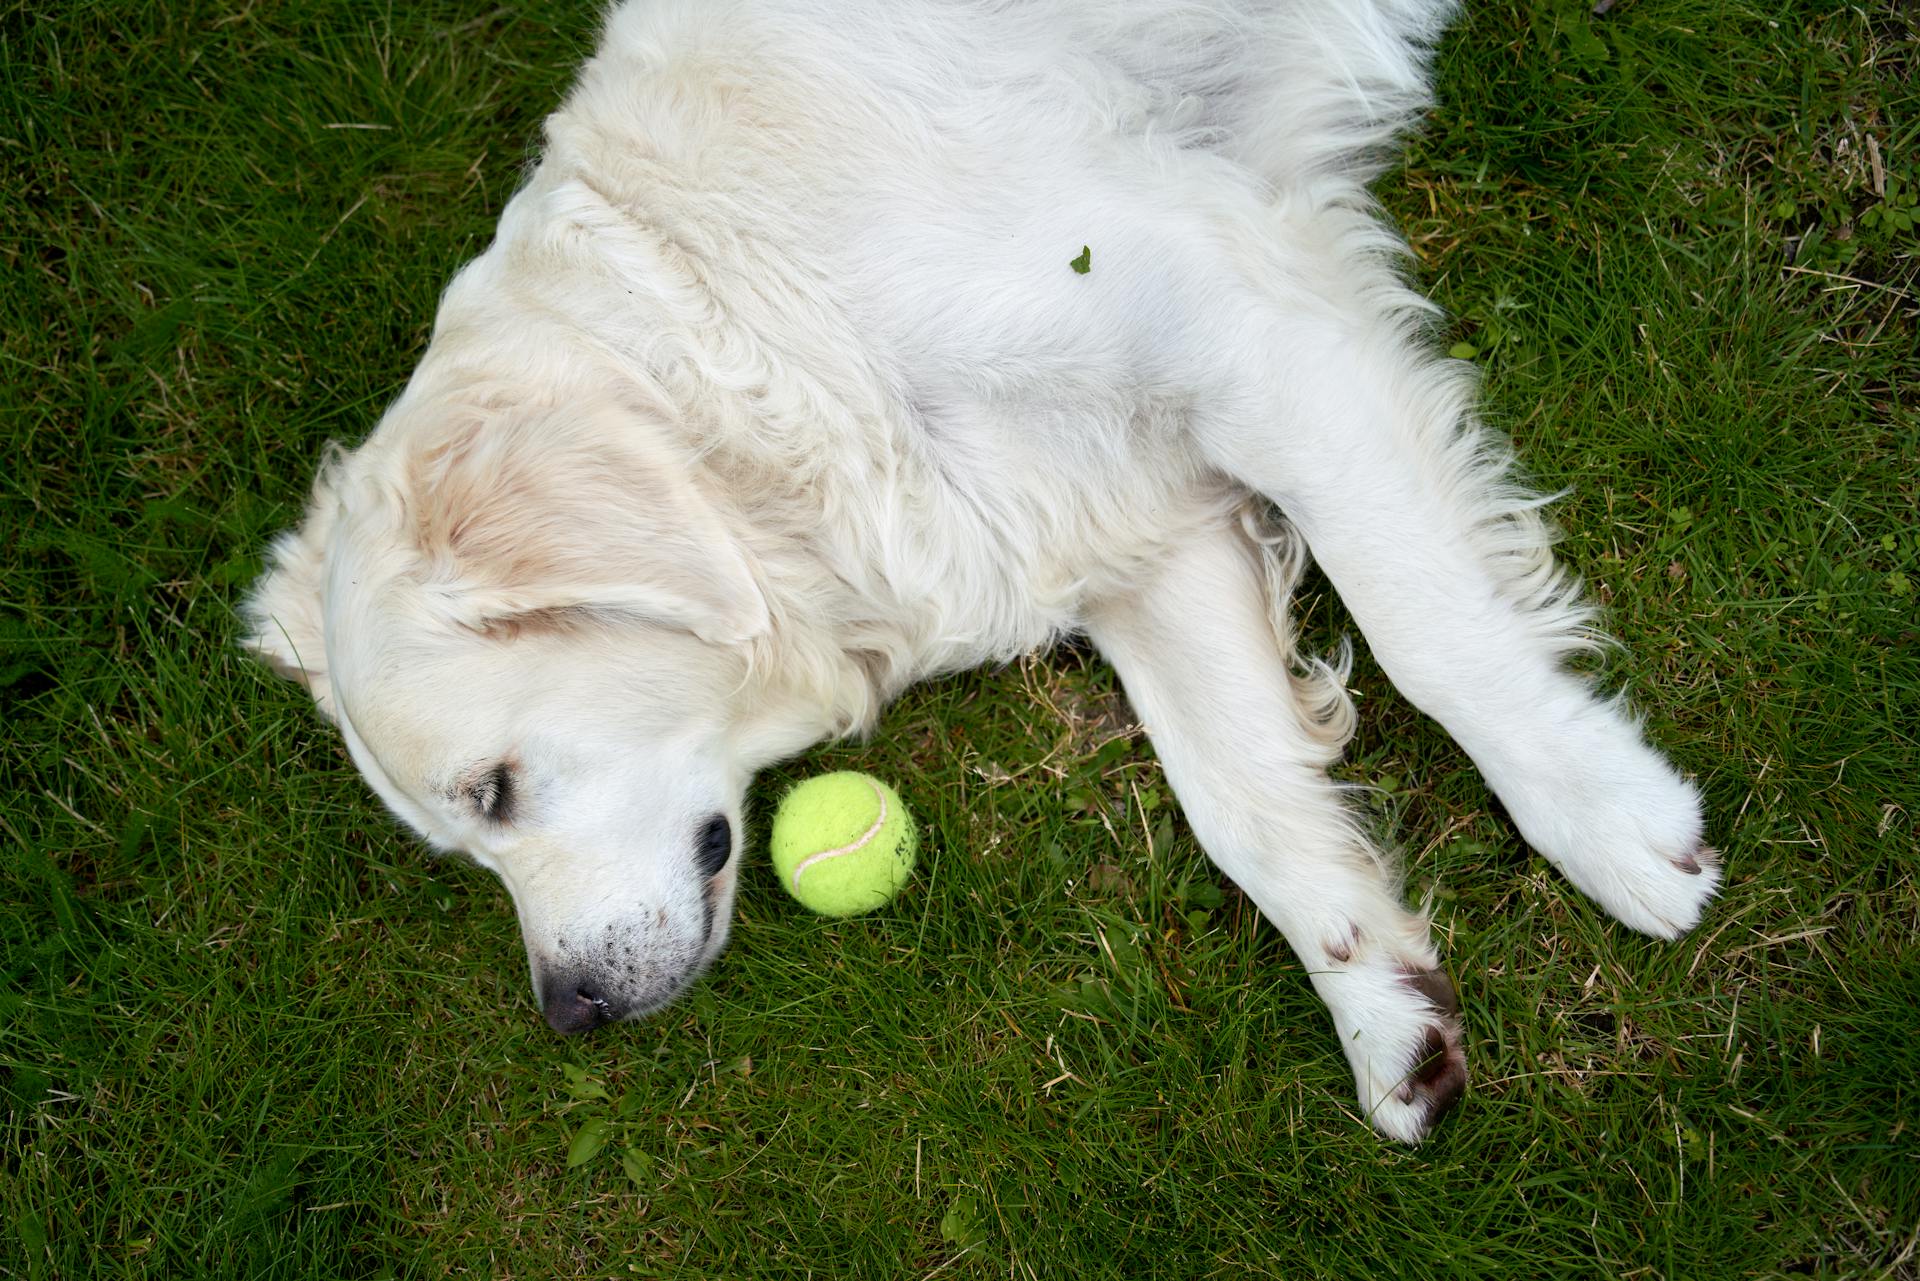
(250,1029)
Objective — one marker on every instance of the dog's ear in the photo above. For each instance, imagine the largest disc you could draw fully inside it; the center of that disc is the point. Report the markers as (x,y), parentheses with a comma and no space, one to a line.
(528,516)
(284,624)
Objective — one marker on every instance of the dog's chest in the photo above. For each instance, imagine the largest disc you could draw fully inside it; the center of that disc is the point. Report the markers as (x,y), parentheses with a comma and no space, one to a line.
(1007,519)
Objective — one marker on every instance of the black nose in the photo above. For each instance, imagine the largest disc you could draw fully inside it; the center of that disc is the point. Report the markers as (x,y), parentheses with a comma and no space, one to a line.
(572,1005)
(714,846)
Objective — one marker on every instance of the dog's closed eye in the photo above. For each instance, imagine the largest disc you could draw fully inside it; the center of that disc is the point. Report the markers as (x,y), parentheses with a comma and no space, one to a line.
(492,793)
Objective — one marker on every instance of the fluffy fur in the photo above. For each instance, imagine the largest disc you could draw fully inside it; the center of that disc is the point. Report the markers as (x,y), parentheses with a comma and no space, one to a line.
(775,393)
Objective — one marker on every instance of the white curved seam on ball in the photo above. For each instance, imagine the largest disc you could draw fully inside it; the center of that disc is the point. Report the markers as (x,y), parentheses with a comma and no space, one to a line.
(855,846)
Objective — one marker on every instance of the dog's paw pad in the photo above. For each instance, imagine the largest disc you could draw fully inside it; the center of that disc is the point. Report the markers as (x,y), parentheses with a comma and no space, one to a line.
(1438,1078)
(1344,946)
(1703,858)
(1409,1059)
(1436,987)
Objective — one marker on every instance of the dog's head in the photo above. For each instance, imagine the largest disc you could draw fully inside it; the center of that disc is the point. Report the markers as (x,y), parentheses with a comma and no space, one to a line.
(533,627)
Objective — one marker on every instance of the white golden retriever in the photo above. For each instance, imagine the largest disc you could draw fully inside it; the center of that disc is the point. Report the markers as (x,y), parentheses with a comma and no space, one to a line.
(780,388)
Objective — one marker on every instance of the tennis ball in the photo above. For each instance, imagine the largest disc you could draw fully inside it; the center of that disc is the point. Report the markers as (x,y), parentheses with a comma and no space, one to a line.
(842,843)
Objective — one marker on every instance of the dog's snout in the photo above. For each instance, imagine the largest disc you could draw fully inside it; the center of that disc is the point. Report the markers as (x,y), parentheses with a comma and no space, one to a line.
(628,962)
(714,846)
(573,1004)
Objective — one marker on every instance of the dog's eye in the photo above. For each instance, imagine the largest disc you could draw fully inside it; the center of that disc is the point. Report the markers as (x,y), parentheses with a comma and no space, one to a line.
(493,793)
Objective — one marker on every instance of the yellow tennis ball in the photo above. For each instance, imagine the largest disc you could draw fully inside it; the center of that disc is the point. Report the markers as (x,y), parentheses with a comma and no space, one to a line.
(842,843)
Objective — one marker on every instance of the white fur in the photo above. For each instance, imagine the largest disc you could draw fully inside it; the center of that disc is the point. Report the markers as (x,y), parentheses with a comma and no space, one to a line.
(776,393)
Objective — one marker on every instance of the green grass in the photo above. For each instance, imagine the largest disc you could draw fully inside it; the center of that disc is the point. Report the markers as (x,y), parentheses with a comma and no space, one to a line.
(248,1029)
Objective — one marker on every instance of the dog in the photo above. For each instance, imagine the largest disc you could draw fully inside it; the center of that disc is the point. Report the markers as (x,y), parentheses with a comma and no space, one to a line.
(836,344)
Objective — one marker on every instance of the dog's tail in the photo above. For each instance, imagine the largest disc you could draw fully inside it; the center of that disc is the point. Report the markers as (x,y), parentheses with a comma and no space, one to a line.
(1319,681)
(1300,91)
(1332,85)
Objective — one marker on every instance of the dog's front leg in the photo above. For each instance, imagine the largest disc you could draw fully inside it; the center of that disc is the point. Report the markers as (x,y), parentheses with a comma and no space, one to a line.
(1368,445)
(1203,667)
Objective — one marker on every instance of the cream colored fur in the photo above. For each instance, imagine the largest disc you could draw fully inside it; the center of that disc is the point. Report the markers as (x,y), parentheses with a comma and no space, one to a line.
(775,393)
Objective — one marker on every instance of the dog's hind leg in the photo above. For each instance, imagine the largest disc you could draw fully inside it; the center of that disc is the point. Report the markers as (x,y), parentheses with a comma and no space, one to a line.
(1246,755)
(1367,443)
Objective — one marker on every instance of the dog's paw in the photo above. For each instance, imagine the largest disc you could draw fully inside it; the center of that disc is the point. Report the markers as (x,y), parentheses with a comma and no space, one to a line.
(1626,829)
(1400,1028)
(1657,887)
